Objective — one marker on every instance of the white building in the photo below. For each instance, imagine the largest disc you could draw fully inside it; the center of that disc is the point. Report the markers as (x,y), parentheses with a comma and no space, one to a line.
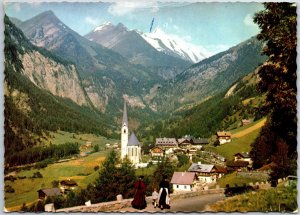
(183,181)
(130,147)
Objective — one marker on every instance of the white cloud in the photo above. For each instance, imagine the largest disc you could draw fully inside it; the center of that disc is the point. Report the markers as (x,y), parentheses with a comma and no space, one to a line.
(248,20)
(124,8)
(92,21)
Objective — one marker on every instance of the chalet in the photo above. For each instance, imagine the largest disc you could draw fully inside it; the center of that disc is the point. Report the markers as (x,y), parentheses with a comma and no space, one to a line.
(67,185)
(246,122)
(156,152)
(165,143)
(243,156)
(207,173)
(48,192)
(237,165)
(184,143)
(224,137)
(183,181)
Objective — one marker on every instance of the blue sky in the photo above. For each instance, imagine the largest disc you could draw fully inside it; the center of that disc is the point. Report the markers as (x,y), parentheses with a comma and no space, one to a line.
(214,26)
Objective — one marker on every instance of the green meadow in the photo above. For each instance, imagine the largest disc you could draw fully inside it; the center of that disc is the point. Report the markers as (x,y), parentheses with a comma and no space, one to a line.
(80,169)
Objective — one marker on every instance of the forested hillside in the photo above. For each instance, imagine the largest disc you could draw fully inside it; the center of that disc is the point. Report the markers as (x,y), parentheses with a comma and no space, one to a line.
(220,112)
(30,111)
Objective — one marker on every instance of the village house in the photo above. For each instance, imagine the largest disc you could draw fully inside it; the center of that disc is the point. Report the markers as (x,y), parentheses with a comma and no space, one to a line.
(243,156)
(185,143)
(167,144)
(237,165)
(246,122)
(199,142)
(48,192)
(67,185)
(183,181)
(207,173)
(224,137)
(156,152)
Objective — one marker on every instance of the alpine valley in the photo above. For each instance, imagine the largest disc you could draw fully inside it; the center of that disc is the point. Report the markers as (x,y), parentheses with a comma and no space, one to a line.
(56,79)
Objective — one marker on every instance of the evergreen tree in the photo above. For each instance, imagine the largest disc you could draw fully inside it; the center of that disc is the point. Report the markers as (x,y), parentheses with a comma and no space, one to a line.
(278,24)
(114,180)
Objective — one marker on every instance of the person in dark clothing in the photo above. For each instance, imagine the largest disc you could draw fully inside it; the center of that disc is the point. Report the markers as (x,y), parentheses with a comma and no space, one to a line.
(164,194)
(139,200)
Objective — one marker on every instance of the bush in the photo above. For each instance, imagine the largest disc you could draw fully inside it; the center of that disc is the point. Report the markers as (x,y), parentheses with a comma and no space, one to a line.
(96,168)
(37,175)
(9,189)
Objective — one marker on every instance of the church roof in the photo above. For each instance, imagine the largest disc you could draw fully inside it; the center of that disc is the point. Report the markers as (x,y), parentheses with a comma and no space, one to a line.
(125,119)
(133,141)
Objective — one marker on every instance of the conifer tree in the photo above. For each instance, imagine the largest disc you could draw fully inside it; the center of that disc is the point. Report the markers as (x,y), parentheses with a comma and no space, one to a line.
(278,22)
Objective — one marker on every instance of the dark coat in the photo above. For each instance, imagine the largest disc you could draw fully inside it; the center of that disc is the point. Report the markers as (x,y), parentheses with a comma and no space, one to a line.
(139,200)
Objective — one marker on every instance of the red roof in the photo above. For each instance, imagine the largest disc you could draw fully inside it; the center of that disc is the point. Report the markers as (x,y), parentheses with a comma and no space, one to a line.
(183,178)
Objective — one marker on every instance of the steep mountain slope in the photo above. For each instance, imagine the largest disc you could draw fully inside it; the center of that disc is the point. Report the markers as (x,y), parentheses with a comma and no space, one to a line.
(175,46)
(30,110)
(132,46)
(211,76)
(220,112)
(106,75)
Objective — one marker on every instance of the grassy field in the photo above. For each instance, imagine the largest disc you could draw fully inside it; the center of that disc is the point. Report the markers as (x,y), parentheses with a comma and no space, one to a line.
(62,137)
(80,169)
(233,179)
(254,125)
(241,144)
(281,199)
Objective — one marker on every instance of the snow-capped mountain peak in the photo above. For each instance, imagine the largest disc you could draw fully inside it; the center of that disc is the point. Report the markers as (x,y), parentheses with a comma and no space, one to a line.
(175,46)
(104,25)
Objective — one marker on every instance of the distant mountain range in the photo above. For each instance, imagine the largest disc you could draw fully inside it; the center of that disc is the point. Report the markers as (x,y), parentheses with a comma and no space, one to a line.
(131,45)
(153,72)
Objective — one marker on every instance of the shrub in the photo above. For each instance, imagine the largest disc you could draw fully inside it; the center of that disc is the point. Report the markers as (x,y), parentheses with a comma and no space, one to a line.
(37,175)
(9,189)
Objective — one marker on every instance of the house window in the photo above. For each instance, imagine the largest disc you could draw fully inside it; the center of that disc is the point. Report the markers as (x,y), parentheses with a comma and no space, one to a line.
(184,186)
(124,131)
(177,186)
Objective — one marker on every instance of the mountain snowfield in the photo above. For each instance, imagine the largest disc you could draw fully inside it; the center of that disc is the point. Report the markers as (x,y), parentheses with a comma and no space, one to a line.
(174,45)
(169,44)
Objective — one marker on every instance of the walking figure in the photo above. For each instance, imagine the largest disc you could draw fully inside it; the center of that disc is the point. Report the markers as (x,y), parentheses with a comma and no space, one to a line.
(164,194)
(154,198)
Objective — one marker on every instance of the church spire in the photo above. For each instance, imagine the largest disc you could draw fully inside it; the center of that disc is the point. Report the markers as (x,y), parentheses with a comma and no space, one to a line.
(125,119)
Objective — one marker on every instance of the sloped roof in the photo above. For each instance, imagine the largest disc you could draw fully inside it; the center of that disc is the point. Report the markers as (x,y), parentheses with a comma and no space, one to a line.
(156,149)
(196,167)
(243,154)
(133,141)
(220,169)
(237,163)
(183,178)
(50,191)
(125,119)
(223,134)
(200,141)
(69,182)
(166,141)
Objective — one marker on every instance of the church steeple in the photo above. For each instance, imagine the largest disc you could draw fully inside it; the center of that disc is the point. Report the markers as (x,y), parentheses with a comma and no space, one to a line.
(124,133)
(125,119)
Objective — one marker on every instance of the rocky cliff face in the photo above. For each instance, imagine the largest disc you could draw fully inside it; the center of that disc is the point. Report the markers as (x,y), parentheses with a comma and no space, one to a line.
(52,76)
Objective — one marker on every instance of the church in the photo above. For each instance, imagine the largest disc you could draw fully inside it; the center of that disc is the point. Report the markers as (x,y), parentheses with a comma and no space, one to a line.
(130,147)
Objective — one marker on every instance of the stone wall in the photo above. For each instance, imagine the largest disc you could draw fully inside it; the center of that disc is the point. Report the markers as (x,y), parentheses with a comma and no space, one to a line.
(117,205)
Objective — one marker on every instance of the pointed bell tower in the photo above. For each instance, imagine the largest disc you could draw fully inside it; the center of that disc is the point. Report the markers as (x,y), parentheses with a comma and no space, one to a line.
(124,133)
